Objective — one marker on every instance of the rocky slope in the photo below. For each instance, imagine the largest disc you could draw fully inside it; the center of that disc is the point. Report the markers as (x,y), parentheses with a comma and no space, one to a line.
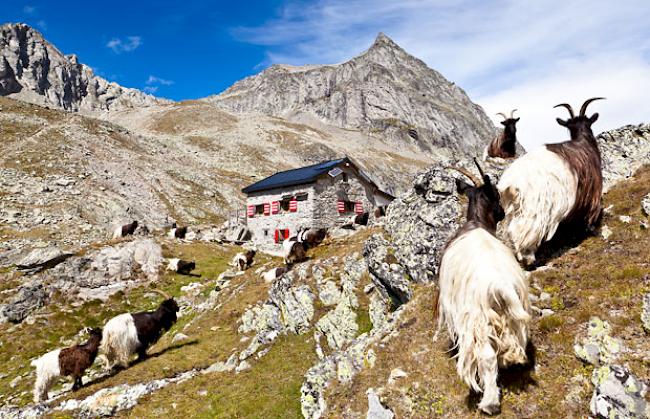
(34,70)
(384,91)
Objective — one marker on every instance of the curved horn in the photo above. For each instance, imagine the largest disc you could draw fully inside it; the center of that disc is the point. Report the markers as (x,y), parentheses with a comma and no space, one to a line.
(512,113)
(503,115)
(569,108)
(478,166)
(583,108)
(467,174)
(164,294)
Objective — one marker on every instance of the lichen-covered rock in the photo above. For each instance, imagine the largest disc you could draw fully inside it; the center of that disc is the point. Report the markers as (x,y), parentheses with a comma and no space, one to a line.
(599,347)
(645,205)
(339,325)
(421,221)
(262,318)
(295,303)
(645,312)
(618,394)
(329,293)
(389,277)
(43,258)
(623,151)
(29,297)
(375,409)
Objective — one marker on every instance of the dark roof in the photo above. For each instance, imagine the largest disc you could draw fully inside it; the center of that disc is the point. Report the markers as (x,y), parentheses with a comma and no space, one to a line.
(294,177)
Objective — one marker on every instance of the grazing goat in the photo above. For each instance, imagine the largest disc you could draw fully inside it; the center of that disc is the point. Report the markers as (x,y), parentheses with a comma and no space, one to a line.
(130,333)
(273,274)
(380,211)
(504,144)
(125,230)
(554,184)
(70,362)
(180,266)
(243,261)
(483,300)
(293,251)
(311,237)
(178,232)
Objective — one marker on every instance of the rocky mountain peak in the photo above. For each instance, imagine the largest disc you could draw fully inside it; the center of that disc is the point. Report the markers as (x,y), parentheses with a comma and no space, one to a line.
(384,91)
(34,70)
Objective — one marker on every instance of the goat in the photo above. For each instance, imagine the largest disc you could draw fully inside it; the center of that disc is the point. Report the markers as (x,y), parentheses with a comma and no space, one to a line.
(293,251)
(483,301)
(554,184)
(311,237)
(380,211)
(177,232)
(130,333)
(362,219)
(243,261)
(181,266)
(273,274)
(125,230)
(72,362)
(504,144)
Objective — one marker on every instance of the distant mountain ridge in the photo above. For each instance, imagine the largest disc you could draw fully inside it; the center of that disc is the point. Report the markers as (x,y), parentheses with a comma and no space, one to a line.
(384,90)
(33,70)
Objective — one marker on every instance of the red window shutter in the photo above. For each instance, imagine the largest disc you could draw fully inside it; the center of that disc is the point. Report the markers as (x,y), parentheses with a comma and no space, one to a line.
(275,207)
(340,205)
(251,211)
(277,236)
(293,205)
(358,207)
(267,208)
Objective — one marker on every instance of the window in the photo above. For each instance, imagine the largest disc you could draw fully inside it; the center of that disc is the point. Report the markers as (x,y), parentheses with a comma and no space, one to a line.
(302,196)
(349,206)
(281,235)
(345,178)
(266,233)
(284,204)
(259,209)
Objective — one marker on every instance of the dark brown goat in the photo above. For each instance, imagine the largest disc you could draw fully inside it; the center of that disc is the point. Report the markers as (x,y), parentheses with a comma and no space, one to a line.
(180,232)
(484,209)
(583,157)
(313,237)
(505,144)
(129,229)
(150,325)
(74,361)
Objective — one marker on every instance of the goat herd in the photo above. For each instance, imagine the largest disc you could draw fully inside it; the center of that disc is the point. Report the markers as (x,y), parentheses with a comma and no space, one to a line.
(483,300)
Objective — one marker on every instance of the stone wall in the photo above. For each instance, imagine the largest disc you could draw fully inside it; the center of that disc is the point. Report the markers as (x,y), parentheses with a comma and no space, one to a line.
(329,190)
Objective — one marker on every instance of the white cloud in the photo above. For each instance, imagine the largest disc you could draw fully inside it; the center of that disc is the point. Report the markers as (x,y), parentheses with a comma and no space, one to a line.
(503,53)
(128,44)
(150,89)
(157,80)
(29,10)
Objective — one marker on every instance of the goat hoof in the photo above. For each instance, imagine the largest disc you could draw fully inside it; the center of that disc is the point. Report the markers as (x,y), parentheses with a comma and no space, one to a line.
(491,409)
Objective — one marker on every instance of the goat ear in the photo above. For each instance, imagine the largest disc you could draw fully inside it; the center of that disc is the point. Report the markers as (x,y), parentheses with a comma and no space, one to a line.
(593,118)
(462,187)
(561,121)
(503,123)
(517,119)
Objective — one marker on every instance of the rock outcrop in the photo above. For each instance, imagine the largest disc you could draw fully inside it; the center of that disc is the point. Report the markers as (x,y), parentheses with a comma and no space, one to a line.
(623,151)
(384,90)
(33,70)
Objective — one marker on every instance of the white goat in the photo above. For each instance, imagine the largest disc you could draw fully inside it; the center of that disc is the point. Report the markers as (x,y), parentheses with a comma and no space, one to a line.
(483,301)
(554,184)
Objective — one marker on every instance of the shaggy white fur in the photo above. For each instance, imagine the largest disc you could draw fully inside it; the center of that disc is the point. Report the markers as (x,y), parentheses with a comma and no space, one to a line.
(47,371)
(119,341)
(173,265)
(484,305)
(537,192)
(270,275)
(238,261)
(117,233)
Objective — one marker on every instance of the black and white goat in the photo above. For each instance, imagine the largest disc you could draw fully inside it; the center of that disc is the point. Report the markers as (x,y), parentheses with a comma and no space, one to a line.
(131,333)
(243,261)
(72,362)
(125,230)
(554,184)
(177,232)
(483,301)
(293,251)
(181,266)
(273,274)
(504,145)
(311,237)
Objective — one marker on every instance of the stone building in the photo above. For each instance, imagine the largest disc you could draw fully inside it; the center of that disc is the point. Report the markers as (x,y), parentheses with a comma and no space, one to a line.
(327,195)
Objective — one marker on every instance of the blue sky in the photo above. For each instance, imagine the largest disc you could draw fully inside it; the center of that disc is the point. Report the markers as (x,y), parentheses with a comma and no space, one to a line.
(505,53)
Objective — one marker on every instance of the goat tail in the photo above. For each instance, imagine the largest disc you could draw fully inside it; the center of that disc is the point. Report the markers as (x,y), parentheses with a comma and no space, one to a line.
(479,334)
(510,320)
